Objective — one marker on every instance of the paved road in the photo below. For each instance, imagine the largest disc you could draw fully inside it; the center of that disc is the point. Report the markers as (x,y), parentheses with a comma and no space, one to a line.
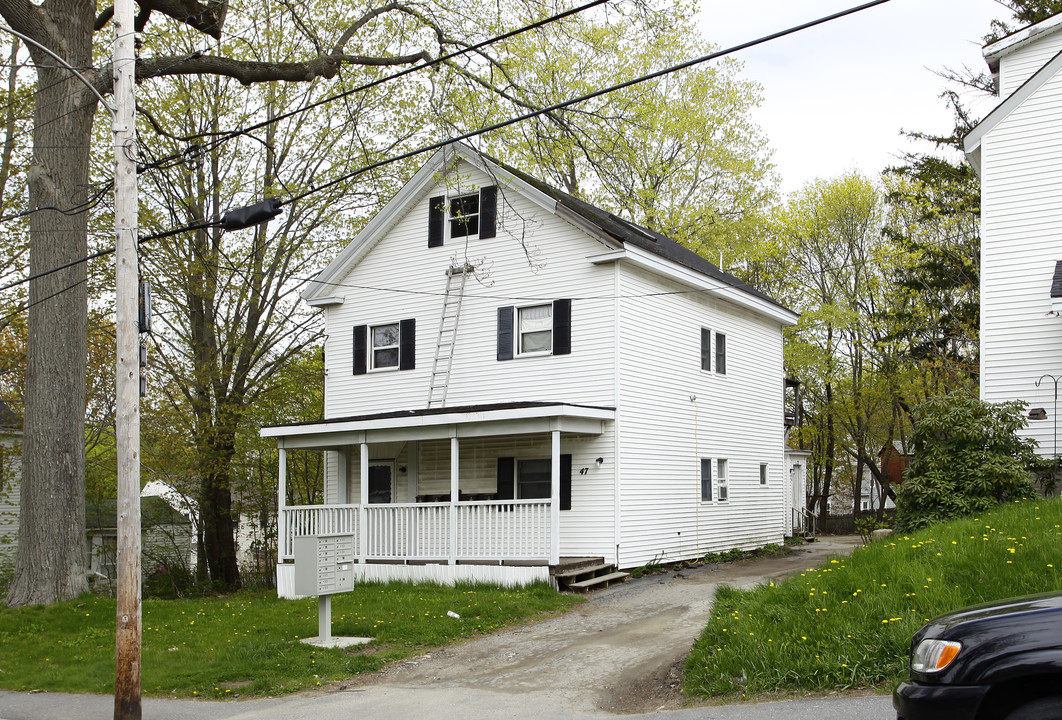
(401,704)
(620,653)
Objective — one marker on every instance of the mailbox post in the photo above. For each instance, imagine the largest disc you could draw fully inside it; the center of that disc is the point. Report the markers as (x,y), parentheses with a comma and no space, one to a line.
(324,564)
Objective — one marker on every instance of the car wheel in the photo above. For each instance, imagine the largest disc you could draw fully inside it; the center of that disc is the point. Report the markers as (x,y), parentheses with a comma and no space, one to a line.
(1048,708)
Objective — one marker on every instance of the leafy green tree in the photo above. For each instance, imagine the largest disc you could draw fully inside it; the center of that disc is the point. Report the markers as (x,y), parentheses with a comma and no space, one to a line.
(968,458)
(678,154)
(364,38)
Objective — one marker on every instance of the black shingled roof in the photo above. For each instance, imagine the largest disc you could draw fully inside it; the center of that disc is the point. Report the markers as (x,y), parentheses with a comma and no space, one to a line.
(627,232)
(427,412)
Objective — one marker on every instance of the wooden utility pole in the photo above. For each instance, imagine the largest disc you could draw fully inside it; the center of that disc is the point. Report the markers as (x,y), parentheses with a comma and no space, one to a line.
(127,704)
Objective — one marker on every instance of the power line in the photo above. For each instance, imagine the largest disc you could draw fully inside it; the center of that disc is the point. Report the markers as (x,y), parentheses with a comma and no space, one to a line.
(589,96)
(159,164)
(505,123)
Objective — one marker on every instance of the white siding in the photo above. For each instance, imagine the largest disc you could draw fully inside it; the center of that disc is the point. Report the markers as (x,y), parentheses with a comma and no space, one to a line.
(672,414)
(536,256)
(10,487)
(1021,240)
(1021,64)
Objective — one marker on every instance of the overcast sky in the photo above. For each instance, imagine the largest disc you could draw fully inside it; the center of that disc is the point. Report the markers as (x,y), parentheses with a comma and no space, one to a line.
(835,97)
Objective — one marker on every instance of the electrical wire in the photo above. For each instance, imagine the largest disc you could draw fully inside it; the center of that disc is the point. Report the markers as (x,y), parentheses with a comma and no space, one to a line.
(160,164)
(505,123)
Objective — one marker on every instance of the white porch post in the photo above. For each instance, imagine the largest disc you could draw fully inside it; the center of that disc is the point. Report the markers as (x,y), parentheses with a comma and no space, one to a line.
(554,501)
(282,495)
(455,489)
(342,477)
(363,508)
(412,470)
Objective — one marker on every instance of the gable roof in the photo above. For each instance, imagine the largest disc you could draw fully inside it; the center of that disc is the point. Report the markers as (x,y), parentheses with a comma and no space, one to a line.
(611,230)
(102,514)
(997,49)
(972,141)
(8,419)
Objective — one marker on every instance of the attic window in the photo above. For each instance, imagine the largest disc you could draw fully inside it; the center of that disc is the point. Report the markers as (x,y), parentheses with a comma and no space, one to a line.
(464,216)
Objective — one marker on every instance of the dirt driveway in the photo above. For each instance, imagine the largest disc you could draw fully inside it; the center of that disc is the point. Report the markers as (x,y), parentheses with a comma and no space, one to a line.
(621,651)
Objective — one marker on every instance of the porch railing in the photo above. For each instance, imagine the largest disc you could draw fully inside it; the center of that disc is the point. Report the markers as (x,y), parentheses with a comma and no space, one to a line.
(494,530)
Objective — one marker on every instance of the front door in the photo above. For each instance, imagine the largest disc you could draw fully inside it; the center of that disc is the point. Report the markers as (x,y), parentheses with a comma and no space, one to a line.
(381,482)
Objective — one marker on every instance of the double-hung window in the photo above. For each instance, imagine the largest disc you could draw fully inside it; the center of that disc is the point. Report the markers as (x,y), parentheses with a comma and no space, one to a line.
(387,346)
(532,330)
(535,329)
(721,479)
(467,215)
(706,351)
(763,473)
(532,478)
(464,216)
(706,479)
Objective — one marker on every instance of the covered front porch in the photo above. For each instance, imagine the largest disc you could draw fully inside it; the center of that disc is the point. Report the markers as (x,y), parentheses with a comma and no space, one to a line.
(472,493)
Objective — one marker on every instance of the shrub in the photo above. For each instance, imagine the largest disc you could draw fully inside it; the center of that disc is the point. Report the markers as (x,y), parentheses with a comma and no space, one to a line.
(968,458)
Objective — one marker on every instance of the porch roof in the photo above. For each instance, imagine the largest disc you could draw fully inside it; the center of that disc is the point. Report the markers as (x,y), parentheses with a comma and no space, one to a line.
(517,418)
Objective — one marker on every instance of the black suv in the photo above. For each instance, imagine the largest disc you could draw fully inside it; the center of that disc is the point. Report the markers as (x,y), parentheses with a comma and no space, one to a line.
(1001,660)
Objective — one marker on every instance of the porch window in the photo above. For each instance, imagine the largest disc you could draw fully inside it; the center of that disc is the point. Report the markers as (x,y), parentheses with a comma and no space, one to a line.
(530,479)
(533,479)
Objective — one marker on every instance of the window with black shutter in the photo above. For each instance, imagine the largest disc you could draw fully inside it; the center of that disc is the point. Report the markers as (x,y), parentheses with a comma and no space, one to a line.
(387,346)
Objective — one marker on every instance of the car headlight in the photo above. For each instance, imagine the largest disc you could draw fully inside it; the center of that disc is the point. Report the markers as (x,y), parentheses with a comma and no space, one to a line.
(934,655)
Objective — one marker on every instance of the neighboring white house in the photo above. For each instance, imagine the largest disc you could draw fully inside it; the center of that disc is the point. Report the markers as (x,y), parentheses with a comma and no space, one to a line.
(513,376)
(1017,151)
(10,483)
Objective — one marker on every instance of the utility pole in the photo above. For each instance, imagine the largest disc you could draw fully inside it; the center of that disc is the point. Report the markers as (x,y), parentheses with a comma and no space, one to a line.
(127,705)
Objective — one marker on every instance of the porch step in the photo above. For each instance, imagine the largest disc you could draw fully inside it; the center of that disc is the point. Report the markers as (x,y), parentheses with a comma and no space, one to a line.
(584,574)
(599,581)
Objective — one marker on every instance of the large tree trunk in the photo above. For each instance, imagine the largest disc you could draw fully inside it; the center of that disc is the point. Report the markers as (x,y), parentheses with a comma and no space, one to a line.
(52,521)
(215,449)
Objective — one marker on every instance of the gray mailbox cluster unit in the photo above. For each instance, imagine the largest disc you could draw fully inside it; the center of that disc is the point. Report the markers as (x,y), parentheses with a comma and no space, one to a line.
(324,564)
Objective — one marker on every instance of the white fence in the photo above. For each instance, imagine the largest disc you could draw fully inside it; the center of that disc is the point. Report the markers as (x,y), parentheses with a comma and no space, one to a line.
(494,530)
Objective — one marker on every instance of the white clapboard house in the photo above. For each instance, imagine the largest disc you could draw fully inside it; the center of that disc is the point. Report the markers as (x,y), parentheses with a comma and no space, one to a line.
(1017,151)
(514,377)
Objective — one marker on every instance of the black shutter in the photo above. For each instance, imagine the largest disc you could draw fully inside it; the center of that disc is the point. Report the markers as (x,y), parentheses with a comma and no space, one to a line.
(506,477)
(361,349)
(720,353)
(436,220)
(706,349)
(566,482)
(488,211)
(407,344)
(562,327)
(505,332)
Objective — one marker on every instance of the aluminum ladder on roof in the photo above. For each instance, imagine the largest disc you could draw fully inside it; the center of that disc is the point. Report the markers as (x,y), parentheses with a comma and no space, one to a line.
(456,277)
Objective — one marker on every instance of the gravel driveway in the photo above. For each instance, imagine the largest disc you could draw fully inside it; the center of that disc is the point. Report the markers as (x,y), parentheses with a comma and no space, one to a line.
(621,651)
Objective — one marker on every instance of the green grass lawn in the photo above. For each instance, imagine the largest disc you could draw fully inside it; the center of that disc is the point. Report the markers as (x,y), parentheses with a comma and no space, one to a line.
(248,643)
(848,623)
